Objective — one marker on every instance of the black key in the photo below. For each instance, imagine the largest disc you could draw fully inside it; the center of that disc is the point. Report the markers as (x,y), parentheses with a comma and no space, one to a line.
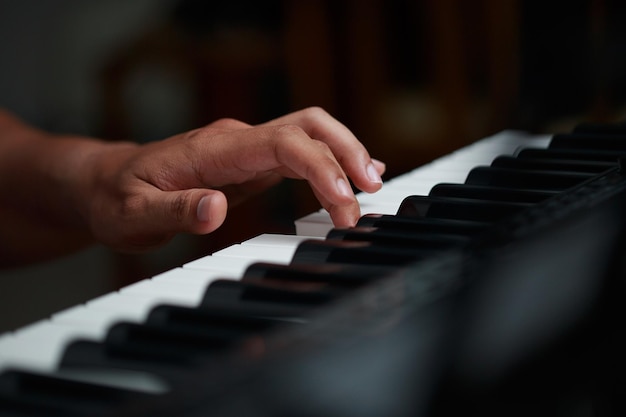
(336,274)
(570,154)
(528,180)
(487,193)
(236,292)
(589,141)
(462,209)
(248,319)
(212,301)
(352,252)
(602,129)
(164,344)
(219,325)
(593,167)
(97,356)
(391,237)
(177,345)
(421,225)
(28,394)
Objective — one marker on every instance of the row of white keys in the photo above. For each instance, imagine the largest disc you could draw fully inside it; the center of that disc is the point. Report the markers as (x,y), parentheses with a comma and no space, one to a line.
(39,347)
(452,168)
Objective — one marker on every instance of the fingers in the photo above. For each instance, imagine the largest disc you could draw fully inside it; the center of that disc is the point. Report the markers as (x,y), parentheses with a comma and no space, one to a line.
(286,150)
(349,152)
(182,183)
(309,145)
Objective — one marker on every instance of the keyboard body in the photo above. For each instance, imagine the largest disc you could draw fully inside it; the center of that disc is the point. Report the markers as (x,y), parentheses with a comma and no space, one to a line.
(498,297)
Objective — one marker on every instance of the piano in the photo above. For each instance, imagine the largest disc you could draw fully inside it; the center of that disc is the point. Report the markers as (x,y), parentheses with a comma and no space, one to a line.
(488,282)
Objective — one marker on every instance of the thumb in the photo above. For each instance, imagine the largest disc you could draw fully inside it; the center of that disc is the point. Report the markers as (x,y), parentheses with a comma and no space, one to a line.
(197,211)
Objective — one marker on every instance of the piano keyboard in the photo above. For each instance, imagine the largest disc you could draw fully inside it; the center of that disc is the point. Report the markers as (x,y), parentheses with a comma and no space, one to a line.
(141,344)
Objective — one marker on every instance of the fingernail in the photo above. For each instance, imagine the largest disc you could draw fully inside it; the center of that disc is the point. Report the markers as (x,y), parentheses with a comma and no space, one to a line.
(378,162)
(372,174)
(202,212)
(343,188)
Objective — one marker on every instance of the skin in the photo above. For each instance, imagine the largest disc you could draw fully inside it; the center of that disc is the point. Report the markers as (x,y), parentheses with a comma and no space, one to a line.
(60,193)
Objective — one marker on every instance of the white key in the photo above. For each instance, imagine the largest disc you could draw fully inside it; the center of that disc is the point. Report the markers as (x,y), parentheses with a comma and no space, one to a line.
(263,248)
(314,224)
(185,293)
(281,254)
(232,266)
(437,175)
(406,185)
(278,240)
(99,319)
(381,207)
(392,198)
(116,308)
(452,164)
(132,307)
(192,276)
(40,346)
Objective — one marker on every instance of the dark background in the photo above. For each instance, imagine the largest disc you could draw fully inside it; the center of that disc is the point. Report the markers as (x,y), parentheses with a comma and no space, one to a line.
(413,80)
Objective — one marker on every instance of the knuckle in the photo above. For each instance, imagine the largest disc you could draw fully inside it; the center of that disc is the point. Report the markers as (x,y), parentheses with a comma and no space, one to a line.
(289,132)
(131,206)
(194,135)
(288,138)
(181,207)
(113,223)
(315,112)
(217,127)
(225,123)
(323,149)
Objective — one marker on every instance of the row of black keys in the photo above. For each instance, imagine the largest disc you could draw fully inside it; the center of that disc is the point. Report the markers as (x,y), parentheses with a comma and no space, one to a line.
(175,340)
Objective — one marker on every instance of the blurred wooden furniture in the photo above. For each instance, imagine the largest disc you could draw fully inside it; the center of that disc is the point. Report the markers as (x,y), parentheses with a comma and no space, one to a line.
(343,56)
(339,56)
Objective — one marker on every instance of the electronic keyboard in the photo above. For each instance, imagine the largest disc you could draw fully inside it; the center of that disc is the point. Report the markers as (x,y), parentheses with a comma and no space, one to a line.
(486,282)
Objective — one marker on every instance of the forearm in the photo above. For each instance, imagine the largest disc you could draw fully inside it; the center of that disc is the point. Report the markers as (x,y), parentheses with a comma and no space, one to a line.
(44,184)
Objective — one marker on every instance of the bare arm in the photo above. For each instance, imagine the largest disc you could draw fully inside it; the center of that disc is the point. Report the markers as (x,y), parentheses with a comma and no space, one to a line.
(39,207)
(59,193)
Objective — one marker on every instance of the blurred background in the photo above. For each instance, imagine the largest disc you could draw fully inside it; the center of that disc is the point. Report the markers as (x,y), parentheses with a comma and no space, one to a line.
(413,79)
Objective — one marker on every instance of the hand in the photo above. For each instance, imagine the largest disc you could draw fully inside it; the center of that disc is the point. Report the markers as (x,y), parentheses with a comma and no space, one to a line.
(140,196)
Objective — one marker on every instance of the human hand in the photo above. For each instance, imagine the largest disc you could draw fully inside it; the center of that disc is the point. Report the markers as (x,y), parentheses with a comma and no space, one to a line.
(140,196)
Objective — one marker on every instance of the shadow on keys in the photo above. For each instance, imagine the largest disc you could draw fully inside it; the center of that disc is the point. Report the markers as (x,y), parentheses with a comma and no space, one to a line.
(528,325)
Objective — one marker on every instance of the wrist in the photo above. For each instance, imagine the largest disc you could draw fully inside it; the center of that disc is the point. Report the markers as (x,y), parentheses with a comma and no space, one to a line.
(92,183)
